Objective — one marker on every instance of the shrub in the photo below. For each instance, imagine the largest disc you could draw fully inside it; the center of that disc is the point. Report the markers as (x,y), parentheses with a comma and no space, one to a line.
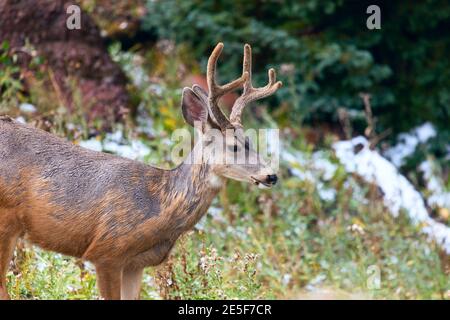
(325,52)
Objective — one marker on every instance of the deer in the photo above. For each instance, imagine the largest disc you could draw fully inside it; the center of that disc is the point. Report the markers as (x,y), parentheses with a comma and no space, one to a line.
(119,214)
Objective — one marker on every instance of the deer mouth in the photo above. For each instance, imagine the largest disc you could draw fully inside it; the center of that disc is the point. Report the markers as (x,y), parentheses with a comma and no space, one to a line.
(258,182)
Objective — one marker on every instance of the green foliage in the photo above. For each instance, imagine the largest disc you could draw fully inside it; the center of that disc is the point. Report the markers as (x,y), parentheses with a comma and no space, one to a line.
(46,275)
(10,84)
(326,54)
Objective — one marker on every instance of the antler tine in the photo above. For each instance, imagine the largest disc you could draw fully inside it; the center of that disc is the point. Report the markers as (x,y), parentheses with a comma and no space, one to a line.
(247,66)
(216,91)
(251,94)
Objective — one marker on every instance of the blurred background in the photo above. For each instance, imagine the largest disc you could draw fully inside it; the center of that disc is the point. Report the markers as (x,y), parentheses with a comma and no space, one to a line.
(362,208)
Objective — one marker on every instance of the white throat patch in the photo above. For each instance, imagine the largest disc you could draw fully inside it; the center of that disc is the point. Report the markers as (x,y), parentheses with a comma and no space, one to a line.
(215,181)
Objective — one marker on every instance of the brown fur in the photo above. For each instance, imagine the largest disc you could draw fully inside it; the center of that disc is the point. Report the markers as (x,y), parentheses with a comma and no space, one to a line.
(117,213)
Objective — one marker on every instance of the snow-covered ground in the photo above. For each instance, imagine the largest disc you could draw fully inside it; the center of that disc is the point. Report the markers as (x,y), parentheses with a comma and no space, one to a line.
(115,143)
(316,169)
(439,197)
(408,142)
(399,193)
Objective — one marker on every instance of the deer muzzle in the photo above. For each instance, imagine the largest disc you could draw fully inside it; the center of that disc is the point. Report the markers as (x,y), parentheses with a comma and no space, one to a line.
(266,180)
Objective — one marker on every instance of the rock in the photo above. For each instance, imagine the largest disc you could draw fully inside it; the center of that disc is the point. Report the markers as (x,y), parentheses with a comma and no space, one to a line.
(72,55)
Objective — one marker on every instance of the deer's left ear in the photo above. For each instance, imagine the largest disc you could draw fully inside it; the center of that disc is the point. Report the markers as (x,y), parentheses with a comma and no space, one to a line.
(193,107)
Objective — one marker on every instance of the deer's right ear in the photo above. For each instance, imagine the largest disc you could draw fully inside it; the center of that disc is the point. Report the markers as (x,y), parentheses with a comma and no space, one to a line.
(193,108)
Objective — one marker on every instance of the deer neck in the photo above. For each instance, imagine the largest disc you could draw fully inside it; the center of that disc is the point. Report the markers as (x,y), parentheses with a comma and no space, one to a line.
(192,188)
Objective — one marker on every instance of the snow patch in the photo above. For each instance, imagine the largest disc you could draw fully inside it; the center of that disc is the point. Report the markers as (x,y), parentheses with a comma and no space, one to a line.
(408,143)
(27,108)
(21,119)
(115,143)
(92,144)
(399,193)
(315,169)
(439,197)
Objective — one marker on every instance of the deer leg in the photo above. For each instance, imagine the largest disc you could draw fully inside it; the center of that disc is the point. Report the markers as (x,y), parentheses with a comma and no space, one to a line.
(109,280)
(8,238)
(131,283)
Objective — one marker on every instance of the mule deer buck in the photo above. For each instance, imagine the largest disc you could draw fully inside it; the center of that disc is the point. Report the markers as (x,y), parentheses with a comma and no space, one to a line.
(120,214)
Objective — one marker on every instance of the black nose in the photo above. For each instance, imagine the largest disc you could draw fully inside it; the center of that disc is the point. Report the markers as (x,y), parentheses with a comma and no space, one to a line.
(272,178)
